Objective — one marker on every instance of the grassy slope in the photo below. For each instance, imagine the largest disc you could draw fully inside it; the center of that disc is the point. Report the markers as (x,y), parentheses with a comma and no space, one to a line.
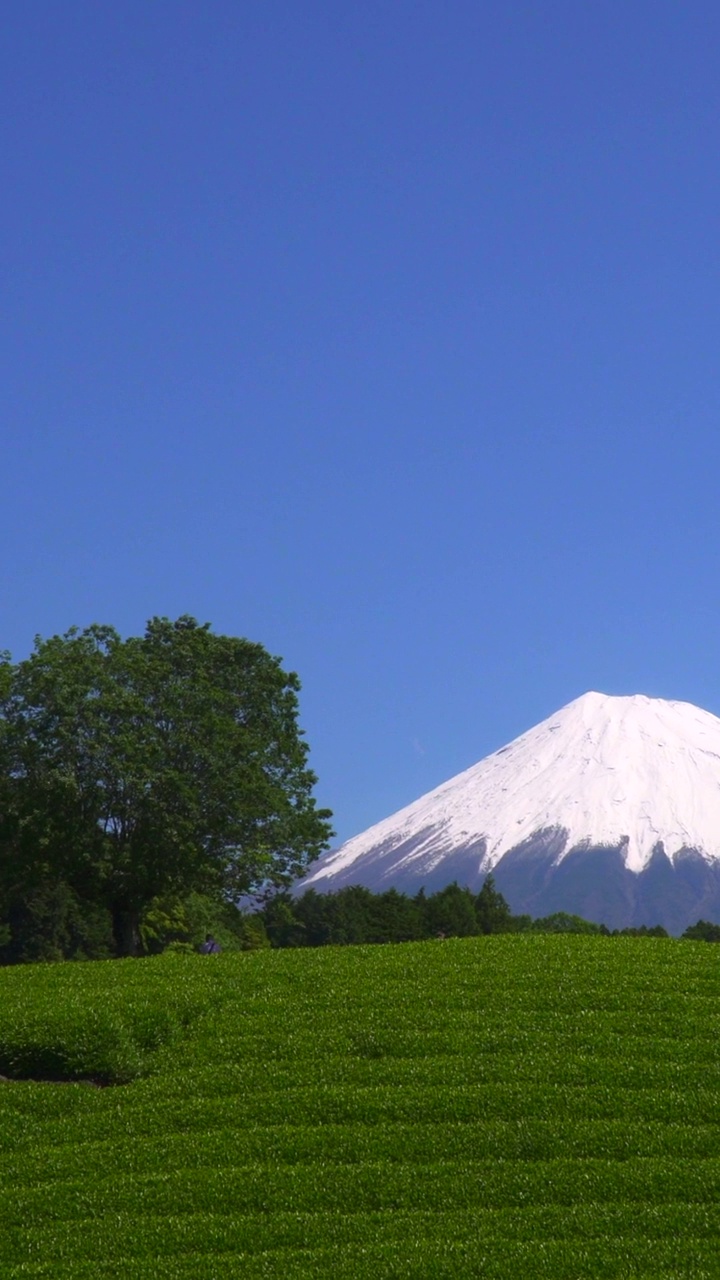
(535,1106)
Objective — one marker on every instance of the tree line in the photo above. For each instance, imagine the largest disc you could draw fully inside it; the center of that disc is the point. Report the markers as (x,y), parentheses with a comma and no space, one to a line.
(356,915)
(56,926)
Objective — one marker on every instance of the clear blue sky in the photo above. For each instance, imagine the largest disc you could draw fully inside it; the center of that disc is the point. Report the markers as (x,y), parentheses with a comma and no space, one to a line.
(384,334)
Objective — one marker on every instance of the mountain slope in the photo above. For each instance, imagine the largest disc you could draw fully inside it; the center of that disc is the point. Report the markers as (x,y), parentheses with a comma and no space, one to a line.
(609,808)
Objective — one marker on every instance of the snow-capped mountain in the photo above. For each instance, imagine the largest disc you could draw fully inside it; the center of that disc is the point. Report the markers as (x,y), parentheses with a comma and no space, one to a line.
(609,809)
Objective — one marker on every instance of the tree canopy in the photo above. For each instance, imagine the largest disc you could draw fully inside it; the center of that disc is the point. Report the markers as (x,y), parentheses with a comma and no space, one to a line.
(167,763)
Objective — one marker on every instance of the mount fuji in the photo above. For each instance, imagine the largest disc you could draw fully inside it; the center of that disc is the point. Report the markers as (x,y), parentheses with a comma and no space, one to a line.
(609,809)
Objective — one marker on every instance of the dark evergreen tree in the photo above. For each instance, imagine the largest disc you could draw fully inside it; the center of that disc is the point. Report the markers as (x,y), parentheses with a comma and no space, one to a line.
(703,931)
(314,910)
(282,925)
(353,915)
(398,918)
(492,911)
(451,913)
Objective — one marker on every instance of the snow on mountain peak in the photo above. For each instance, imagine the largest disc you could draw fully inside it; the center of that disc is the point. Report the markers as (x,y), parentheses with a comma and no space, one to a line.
(629,772)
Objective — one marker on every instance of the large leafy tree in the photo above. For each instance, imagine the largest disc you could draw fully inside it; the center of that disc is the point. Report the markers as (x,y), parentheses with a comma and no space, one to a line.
(162,764)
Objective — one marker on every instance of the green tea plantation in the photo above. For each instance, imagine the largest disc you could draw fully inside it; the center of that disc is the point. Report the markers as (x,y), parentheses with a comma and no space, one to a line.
(507,1106)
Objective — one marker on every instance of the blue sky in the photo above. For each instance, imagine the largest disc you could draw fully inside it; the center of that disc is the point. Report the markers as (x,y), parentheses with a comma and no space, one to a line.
(385,335)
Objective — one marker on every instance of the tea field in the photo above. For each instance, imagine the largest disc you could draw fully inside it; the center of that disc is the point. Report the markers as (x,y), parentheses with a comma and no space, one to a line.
(527,1105)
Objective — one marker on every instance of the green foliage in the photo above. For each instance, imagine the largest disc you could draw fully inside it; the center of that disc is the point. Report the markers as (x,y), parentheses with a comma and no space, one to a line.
(98,1024)
(703,931)
(182,924)
(51,922)
(487,1106)
(283,926)
(252,934)
(164,923)
(451,913)
(492,911)
(149,768)
(356,915)
(562,922)
(642,931)
(353,915)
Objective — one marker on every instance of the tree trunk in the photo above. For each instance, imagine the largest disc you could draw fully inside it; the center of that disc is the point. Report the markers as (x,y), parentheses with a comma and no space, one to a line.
(126,931)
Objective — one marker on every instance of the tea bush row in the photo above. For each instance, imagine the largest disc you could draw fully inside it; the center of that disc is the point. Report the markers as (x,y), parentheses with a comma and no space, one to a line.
(31,1166)
(367,1187)
(662,1256)
(536,1104)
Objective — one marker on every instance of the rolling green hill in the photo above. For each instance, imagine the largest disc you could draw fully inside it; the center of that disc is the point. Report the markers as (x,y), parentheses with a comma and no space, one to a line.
(498,1106)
